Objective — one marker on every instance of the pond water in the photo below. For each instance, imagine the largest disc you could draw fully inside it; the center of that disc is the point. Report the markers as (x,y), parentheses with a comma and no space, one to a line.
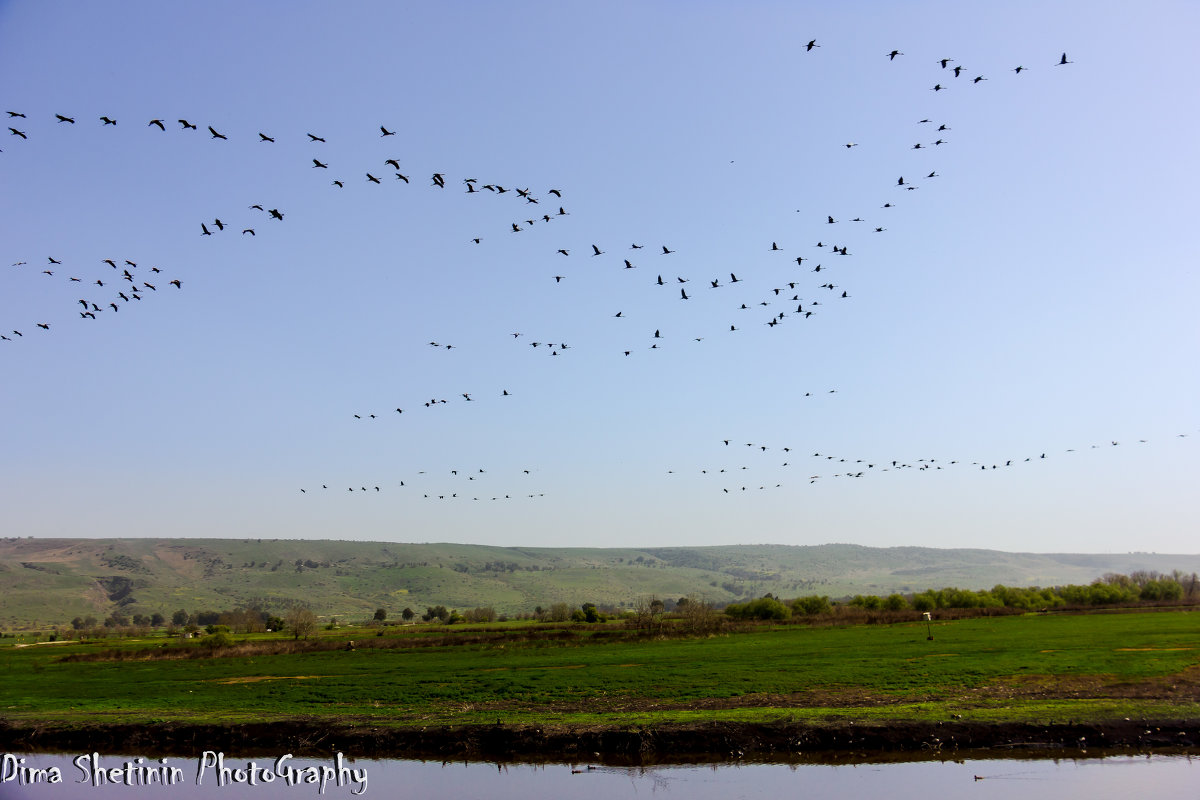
(1118,776)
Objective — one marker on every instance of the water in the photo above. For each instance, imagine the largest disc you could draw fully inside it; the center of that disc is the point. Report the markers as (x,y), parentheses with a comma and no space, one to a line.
(1119,776)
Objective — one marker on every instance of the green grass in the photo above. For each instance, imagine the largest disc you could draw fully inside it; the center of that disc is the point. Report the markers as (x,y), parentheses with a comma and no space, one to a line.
(868,673)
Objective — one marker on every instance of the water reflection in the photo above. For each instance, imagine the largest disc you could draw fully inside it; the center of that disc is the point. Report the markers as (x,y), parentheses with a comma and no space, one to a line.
(1032,779)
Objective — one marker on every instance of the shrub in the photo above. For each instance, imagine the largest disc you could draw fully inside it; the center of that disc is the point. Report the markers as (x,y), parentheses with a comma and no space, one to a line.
(762,608)
(812,605)
(217,640)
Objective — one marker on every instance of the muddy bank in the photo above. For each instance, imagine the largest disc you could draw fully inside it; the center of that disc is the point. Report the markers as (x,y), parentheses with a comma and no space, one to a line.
(663,744)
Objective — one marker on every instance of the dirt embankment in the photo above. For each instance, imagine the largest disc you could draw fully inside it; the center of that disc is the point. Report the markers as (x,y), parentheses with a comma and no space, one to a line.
(697,743)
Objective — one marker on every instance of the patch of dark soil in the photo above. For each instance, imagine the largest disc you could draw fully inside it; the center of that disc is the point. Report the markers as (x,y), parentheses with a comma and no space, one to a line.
(662,744)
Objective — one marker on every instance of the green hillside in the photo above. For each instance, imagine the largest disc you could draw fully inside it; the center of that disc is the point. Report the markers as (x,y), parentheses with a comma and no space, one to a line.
(50,581)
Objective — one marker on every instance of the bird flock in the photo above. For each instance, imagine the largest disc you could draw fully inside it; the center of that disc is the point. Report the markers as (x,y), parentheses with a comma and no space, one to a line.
(784,284)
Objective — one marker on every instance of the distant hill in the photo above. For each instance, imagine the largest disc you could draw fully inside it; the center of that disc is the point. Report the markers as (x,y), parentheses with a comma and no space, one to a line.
(50,581)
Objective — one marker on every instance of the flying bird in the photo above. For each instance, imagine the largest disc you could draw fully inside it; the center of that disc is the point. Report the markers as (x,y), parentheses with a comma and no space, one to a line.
(216,135)
(315,138)
(808,47)
(187,126)
(386,132)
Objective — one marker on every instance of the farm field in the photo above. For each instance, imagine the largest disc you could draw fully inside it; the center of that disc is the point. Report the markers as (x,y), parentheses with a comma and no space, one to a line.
(1031,669)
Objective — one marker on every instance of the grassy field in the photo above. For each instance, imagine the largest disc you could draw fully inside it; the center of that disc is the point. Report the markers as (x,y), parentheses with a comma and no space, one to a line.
(1034,668)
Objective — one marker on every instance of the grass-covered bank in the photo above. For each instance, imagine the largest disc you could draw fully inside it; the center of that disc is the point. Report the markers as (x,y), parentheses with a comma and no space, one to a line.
(1029,671)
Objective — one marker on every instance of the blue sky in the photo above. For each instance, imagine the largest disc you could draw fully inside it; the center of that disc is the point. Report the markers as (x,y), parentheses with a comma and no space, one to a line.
(1035,297)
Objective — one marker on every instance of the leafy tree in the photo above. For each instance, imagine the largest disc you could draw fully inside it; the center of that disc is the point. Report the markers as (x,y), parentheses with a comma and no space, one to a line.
(440,613)
(869,602)
(408,614)
(180,617)
(77,623)
(157,619)
(480,614)
(380,614)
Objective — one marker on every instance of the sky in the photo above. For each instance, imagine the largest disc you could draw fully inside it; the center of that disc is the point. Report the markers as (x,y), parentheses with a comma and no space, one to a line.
(998,351)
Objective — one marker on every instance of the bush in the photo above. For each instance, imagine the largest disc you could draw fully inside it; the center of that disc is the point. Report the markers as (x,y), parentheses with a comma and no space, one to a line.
(217,640)
(812,605)
(762,608)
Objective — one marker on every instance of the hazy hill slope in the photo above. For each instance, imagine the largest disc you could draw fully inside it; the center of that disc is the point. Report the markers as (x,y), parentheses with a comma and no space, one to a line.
(50,581)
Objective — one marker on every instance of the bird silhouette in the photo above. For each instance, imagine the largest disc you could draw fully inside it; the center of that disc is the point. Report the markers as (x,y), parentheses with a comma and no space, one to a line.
(315,138)
(216,135)
(187,126)
(386,132)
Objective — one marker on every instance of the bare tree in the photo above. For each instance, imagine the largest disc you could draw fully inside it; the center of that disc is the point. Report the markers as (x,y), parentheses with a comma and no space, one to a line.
(301,621)
(698,615)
